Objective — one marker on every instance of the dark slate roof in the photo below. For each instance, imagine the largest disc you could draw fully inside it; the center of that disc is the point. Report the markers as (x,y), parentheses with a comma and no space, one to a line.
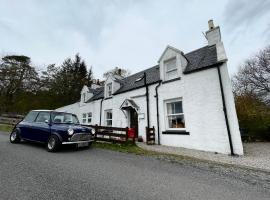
(130,83)
(199,59)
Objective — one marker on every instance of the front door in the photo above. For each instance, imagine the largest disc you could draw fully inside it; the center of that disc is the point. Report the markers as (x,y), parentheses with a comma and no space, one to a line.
(134,121)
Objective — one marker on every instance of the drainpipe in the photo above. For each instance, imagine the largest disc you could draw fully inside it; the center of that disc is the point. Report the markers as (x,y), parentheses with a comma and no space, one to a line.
(100,113)
(147,100)
(159,83)
(225,111)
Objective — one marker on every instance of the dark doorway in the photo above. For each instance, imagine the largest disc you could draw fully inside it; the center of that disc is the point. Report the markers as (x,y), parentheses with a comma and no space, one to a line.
(133,118)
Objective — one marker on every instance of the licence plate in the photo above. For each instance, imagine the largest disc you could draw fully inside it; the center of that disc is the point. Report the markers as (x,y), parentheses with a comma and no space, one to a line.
(83,144)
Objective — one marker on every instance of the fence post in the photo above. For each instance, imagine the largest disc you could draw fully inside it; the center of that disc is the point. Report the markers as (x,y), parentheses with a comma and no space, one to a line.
(126,134)
(96,130)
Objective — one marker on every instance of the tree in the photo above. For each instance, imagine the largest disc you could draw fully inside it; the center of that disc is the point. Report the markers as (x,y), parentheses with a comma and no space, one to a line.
(16,76)
(65,82)
(117,71)
(251,86)
(254,76)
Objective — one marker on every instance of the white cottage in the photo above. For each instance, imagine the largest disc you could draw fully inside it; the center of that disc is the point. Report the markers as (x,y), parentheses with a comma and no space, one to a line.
(187,97)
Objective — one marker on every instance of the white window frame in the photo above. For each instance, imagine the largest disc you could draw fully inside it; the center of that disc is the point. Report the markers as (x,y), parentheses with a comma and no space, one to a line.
(89,117)
(166,102)
(166,71)
(109,92)
(106,119)
(84,115)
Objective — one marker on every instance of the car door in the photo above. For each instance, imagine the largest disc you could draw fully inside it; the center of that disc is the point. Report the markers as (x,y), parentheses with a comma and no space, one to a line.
(26,125)
(41,127)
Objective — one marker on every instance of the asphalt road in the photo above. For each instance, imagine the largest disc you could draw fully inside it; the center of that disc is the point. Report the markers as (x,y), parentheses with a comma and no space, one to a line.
(28,171)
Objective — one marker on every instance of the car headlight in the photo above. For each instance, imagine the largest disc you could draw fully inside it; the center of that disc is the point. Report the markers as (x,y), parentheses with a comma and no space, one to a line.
(93,131)
(70,131)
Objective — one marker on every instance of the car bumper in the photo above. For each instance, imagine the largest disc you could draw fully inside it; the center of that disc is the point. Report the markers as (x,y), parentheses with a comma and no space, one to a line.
(77,142)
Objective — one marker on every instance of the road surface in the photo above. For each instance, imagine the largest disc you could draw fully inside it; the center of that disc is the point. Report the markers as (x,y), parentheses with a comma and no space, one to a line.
(28,171)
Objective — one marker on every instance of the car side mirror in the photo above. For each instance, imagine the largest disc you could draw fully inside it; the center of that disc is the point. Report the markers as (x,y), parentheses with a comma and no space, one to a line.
(46,121)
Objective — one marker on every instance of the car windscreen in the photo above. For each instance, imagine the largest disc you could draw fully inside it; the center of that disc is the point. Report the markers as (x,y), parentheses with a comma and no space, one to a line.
(64,118)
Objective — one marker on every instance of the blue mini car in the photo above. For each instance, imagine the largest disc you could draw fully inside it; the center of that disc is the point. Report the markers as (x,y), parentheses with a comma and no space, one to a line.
(52,128)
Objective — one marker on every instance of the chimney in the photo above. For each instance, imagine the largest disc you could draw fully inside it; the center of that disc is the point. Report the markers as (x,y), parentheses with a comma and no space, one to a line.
(213,35)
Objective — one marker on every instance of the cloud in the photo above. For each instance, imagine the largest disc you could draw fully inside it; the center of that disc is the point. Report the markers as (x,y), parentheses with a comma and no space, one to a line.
(243,15)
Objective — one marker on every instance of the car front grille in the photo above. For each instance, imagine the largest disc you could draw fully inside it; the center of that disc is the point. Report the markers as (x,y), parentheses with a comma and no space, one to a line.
(80,137)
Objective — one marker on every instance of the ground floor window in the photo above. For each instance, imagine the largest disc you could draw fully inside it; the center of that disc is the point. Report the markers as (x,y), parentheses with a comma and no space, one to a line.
(84,118)
(89,117)
(175,114)
(108,117)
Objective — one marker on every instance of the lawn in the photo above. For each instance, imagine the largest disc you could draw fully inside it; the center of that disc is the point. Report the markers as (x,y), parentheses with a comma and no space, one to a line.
(6,128)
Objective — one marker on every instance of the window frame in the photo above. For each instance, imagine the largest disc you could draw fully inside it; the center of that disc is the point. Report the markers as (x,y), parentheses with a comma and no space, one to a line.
(166,71)
(109,92)
(167,115)
(106,119)
(89,117)
(84,118)
(41,112)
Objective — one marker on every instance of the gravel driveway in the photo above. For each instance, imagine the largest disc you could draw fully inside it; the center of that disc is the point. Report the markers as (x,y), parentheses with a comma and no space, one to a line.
(27,171)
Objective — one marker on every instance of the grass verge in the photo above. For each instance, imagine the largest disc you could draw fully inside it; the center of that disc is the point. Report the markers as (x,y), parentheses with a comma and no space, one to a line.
(6,128)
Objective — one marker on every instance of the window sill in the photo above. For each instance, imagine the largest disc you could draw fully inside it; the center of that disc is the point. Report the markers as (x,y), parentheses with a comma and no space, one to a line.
(175,132)
(171,80)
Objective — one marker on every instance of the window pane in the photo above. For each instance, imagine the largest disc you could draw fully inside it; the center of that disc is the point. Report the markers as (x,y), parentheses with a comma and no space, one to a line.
(170,65)
(169,108)
(30,117)
(171,74)
(109,115)
(109,122)
(176,121)
(43,116)
(84,121)
(178,107)
(84,115)
(90,114)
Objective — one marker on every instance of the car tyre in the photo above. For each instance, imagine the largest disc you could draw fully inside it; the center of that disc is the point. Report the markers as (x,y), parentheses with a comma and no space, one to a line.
(15,136)
(53,144)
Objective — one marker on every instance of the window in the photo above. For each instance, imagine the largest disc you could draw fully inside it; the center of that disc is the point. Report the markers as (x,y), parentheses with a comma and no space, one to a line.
(83,98)
(109,89)
(108,117)
(43,117)
(175,115)
(84,118)
(31,116)
(170,69)
(89,117)
(64,118)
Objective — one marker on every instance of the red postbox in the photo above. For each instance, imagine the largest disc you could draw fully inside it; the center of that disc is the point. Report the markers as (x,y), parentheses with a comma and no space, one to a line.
(131,132)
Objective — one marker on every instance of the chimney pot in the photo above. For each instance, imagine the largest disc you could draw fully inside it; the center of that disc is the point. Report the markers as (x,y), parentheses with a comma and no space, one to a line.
(211,24)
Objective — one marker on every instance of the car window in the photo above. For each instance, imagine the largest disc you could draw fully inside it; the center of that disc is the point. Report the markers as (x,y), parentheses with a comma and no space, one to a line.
(31,116)
(64,118)
(43,117)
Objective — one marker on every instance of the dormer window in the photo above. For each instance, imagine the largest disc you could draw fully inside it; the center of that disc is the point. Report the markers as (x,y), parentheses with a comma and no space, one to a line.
(109,89)
(83,97)
(170,69)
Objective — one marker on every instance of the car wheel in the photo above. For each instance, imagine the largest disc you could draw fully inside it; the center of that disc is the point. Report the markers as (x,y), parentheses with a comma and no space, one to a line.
(15,136)
(53,143)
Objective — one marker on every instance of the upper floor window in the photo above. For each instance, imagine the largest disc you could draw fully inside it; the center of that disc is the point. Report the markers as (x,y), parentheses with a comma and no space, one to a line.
(175,114)
(84,97)
(170,69)
(109,89)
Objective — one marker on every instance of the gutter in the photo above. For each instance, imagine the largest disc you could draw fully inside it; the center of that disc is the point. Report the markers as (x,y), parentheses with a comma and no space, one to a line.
(225,111)
(156,88)
(100,111)
(147,100)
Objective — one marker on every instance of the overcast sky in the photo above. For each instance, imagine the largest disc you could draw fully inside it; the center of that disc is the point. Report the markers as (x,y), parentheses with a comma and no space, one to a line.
(128,33)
